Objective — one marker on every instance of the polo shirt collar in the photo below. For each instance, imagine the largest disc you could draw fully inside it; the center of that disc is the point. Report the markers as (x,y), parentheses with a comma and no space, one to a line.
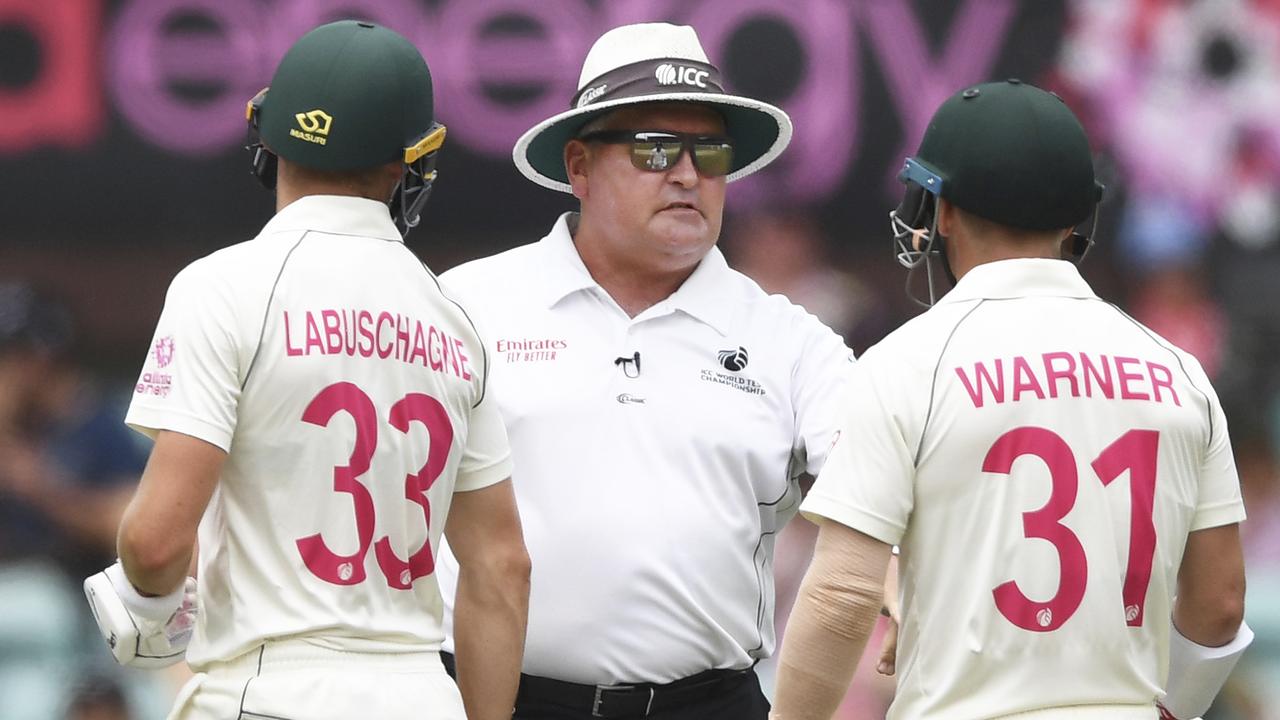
(565,273)
(338,215)
(1021,277)
(701,296)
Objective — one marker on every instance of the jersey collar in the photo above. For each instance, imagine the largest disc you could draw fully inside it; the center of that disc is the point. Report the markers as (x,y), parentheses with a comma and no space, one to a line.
(337,215)
(702,296)
(1022,277)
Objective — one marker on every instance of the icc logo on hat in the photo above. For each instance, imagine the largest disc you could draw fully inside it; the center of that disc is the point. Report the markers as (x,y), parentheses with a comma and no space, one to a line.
(668,74)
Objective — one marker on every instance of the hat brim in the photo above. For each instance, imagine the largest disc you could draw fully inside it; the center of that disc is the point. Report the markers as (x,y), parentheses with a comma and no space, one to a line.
(759,130)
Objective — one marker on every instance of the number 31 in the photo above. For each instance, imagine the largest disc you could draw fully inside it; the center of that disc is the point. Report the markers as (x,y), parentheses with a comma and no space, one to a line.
(1135,451)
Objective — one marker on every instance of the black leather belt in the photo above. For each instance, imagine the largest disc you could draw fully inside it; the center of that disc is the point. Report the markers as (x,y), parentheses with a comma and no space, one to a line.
(634,700)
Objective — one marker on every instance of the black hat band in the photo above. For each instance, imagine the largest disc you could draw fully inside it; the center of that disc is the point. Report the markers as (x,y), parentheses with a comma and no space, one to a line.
(650,77)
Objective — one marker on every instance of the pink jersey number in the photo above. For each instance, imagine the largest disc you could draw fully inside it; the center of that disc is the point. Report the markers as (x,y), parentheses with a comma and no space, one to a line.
(316,555)
(428,411)
(1135,451)
(415,407)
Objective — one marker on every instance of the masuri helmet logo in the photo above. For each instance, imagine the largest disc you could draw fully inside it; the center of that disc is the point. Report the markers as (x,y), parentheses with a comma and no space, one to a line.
(314,126)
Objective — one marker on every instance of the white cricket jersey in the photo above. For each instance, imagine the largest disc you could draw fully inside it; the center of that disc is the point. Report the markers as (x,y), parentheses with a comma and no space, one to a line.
(655,457)
(350,394)
(1040,457)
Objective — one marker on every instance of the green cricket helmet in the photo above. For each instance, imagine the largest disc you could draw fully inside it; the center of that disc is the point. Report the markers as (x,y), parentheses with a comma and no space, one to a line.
(350,96)
(1008,152)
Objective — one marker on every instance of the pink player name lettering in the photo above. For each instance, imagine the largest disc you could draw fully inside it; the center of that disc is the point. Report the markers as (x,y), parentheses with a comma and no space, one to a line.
(374,334)
(1067,374)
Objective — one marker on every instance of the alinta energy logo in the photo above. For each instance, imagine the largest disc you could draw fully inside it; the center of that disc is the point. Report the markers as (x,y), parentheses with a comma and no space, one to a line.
(668,74)
(314,126)
(733,360)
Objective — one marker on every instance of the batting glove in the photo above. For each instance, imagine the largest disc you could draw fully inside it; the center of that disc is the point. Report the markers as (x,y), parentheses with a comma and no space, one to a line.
(143,632)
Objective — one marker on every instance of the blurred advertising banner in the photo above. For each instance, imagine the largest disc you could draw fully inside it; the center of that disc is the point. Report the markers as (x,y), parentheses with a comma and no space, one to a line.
(126,117)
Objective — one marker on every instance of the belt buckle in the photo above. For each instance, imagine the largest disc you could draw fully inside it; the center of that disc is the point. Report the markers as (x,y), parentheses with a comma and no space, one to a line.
(602,689)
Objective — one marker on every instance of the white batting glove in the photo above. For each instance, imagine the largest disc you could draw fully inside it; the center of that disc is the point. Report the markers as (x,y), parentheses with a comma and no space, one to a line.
(143,632)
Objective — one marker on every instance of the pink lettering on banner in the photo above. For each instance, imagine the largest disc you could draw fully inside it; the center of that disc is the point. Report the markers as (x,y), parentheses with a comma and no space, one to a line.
(470,58)
(147,59)
(474,50)
(63,103)
(823,104)
(919,79)
(290,19)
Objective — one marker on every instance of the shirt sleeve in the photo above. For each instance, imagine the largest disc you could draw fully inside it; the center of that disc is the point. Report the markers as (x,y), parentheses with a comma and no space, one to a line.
(190,381)
(486,459)
(820,377)
(868,481)
(1219,501)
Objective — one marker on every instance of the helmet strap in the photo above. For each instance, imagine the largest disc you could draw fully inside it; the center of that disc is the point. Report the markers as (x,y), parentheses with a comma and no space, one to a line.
(411,193)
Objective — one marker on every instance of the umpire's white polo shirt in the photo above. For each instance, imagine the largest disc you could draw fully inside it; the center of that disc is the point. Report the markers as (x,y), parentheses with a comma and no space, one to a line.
(655,457)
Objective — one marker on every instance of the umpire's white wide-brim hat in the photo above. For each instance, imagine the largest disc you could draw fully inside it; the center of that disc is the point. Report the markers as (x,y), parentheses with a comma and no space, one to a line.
(649,63)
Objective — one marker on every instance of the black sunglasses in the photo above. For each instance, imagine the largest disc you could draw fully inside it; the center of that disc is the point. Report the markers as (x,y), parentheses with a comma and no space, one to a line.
(659,151)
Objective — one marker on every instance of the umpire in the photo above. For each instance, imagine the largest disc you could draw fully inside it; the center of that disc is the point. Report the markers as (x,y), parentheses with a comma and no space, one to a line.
(661,407)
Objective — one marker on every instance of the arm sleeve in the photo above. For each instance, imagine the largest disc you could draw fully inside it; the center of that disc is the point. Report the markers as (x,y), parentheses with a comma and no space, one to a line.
(1219,501)
(190,381)
(819,378)
(867,483)
(828,629)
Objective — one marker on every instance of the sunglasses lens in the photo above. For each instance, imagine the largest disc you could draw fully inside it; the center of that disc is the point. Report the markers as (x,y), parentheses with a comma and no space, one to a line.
(655,154)
(713,159)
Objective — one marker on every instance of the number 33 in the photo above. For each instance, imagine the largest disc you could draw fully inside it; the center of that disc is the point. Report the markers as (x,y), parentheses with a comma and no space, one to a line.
(414,407)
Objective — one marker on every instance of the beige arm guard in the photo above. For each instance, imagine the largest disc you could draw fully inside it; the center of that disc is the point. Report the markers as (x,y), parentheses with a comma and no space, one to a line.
(834,615)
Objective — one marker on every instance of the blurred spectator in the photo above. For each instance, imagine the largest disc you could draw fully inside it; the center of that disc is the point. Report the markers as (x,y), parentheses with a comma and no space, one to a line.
(98,698)
(68,464)
(1174,302)
(786,253)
